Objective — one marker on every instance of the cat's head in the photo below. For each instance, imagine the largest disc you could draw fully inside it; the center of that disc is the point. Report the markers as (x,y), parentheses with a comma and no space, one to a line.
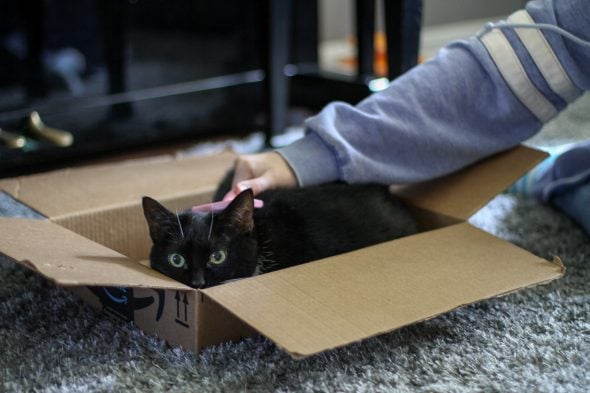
(203,249)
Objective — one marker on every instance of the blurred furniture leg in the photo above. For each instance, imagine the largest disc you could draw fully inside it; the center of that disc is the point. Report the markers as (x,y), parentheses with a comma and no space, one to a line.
(365,38)
(113,16)
(277,57)
(33,15)
(311,86)
(403,20)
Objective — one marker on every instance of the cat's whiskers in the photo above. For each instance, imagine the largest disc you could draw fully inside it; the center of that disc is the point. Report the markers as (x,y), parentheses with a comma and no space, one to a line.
(179,225)
(264,263)
(231,280)
(211,226)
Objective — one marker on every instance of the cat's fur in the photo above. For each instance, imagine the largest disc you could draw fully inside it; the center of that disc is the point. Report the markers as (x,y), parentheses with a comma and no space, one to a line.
(294,226)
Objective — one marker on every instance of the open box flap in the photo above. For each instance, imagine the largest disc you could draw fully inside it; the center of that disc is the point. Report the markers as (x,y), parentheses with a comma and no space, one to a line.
(73,191)
(314,307)
(69,259)
(462,194)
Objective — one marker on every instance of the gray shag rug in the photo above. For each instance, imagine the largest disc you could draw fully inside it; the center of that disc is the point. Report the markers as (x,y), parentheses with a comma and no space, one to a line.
(534,340)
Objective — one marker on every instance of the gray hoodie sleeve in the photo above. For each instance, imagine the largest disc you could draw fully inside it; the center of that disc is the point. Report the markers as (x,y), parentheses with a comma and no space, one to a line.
(475,98)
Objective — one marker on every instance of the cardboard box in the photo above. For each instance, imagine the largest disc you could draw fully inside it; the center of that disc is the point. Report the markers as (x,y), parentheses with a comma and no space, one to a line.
(96,243)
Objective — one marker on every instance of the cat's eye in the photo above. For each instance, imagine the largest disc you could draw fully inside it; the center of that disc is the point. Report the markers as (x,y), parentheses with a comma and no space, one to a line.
(217,257)
(176,260)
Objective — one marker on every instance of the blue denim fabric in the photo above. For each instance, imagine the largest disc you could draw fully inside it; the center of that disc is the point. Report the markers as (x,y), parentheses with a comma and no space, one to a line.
(566,184)
(565,172)
(576,204)
(563,180)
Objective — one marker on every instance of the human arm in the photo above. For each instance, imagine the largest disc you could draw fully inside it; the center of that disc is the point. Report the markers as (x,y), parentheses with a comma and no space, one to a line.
(450,111)
(463,105)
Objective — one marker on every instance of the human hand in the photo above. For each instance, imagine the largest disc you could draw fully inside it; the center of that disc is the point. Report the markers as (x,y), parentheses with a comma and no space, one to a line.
(261,172)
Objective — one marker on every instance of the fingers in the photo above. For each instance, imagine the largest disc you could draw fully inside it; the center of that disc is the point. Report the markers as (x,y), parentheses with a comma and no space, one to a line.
(261,172)
(257,185)
(239,187)
(244,169)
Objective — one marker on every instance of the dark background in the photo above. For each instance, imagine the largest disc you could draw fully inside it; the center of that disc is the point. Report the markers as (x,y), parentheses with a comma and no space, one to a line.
(159,44)
(122,75)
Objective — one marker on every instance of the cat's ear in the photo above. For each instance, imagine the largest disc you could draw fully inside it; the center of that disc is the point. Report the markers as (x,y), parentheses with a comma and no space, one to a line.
(159,218)
(240,212)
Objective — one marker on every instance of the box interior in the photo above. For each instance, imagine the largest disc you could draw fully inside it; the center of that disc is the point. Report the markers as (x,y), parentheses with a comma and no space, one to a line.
(103,203)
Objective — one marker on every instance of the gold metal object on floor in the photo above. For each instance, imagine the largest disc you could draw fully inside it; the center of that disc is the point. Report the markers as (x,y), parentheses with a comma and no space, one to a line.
(13,141)
(58,137)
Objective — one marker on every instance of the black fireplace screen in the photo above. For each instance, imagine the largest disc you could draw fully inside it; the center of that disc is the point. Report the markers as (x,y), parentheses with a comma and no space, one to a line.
(113,74)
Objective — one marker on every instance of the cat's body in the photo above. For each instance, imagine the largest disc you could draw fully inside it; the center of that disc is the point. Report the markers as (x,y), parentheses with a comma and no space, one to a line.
(294,226)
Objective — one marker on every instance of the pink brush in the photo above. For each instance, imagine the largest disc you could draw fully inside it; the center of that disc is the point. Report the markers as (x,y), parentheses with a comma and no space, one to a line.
(218,206)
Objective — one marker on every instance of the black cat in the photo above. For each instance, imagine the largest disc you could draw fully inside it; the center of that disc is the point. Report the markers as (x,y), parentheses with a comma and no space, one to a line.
(294,226)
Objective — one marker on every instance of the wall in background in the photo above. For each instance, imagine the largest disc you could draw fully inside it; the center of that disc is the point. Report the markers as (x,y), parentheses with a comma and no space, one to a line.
(337,15)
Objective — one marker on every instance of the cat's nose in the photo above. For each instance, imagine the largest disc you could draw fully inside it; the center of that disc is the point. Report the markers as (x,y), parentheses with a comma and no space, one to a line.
(198,280)
(198,283)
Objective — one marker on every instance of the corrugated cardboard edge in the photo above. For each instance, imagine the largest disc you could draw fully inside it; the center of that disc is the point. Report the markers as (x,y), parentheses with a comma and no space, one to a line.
(545,272)
(76,260)
(75,284)
(199,195)
(461,194)
(556,261)
(299,356)
(85,189)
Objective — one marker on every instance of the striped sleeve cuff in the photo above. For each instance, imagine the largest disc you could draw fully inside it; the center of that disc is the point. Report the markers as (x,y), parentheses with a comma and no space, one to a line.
(515,75)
